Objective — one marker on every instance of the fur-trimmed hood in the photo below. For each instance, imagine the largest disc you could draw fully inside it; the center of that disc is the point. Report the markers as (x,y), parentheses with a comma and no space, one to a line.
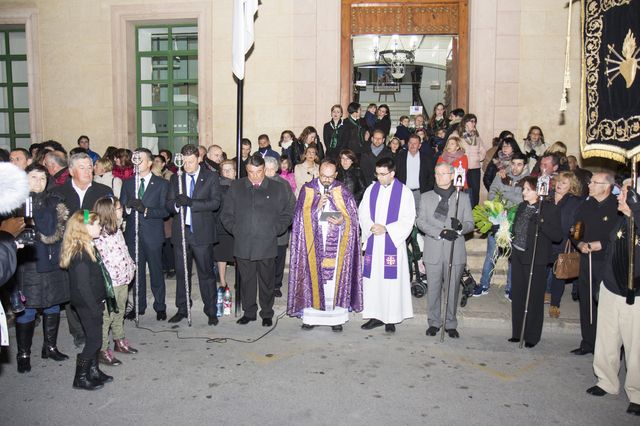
(15,187)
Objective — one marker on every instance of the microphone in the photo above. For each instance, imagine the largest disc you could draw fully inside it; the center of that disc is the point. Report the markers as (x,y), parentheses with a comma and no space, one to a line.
(15,187)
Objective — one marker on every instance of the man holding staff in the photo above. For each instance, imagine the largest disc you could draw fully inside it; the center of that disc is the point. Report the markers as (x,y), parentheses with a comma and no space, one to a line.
(442,228)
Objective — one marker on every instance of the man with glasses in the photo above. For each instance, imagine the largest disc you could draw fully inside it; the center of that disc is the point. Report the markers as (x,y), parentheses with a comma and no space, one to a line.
(442,228)
(387,213)
(598,215)
(325,279)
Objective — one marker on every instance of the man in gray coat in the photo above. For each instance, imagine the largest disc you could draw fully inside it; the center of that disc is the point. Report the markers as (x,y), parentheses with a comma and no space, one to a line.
(442,228)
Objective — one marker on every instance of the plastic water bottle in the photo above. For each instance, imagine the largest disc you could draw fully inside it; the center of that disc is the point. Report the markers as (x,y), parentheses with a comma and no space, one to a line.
(227,301)
(219,301)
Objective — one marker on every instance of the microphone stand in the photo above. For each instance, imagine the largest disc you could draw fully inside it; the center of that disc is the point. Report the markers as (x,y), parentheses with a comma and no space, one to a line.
(136,159)
(179,161)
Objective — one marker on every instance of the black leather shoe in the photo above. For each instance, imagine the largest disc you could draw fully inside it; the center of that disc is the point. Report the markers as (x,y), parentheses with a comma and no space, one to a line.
(513,340)
(371,324)
(432,331)
(161,315)
(277,293)
(308,327)
(336,328)
(529,345)
(245,320)
(171,274)
(131,316)
(453,333)
(633,409)
(596,391)
(213,320)
(580,351)
(179,316)
(267,322)
(390,328)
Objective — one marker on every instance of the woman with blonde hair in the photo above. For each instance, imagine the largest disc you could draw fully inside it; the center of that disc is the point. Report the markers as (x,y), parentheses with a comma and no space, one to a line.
(121,268)
(454,154)
(88,290)
(103,173)
(567,197)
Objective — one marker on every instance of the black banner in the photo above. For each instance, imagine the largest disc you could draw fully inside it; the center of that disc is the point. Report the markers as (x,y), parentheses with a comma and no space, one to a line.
(610,110)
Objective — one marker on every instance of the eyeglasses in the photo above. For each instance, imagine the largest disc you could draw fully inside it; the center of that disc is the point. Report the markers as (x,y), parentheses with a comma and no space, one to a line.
(382,174)
(598,183)
(444,174)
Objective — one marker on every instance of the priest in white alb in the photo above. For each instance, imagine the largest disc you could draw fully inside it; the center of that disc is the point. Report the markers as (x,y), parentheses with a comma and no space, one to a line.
(387,214)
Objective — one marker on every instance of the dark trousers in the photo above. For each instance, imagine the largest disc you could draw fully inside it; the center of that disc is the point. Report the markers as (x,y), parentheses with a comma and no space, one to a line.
(168,261)
(588,330)
(256,274)
(91,321)
(203,256)
(520,268)
(150,254)
(280,260)
(473,181)
(73,320)
(557,288)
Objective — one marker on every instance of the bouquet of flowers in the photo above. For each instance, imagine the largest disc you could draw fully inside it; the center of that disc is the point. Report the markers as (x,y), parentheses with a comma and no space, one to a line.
(493,214)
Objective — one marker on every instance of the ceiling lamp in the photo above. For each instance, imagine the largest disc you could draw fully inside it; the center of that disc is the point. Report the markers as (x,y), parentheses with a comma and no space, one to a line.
(395,55)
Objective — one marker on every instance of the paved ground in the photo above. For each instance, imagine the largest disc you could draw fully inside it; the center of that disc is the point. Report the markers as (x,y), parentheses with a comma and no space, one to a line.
(291,376)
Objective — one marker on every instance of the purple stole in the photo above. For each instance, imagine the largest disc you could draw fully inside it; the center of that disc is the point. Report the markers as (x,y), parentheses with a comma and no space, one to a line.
(390,250)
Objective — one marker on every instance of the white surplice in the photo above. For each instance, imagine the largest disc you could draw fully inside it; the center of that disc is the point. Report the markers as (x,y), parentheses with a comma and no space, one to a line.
(330,316)
(388,300)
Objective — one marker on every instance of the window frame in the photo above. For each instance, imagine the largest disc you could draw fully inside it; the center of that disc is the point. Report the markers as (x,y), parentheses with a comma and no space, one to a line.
(171,83)
(8,58)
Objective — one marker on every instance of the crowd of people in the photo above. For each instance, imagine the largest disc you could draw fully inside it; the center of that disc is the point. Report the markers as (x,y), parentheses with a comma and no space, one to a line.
(344,206)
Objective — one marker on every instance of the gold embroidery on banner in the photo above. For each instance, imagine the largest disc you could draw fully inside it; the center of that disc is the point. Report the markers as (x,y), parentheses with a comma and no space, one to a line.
(623,129)
(627,64)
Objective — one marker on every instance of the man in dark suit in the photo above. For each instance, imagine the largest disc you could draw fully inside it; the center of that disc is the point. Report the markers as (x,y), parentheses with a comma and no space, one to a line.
(200,199)
(374,152)
(415,169)
(151,209)
(256,210)
(80,192)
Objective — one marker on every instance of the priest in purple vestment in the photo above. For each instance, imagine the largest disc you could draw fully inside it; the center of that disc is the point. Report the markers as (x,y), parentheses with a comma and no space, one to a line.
(325,278)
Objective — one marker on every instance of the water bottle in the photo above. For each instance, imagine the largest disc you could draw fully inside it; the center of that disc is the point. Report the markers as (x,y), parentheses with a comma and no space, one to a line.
(227,301)
(219,302)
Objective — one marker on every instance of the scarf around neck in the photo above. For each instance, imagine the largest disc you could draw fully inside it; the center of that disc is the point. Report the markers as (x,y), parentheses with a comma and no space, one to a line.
(450,157)
(442,210)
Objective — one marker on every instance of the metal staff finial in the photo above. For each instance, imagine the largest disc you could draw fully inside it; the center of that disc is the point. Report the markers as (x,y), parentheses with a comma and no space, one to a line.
(178,160)
(136,159)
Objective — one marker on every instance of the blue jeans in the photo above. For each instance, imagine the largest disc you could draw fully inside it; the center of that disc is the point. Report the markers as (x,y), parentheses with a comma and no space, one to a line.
(30,314)
(487,268)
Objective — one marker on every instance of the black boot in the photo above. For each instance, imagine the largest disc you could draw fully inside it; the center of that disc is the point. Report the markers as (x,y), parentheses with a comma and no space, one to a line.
(24,337)
(96,374)
(82,379)
(50,324)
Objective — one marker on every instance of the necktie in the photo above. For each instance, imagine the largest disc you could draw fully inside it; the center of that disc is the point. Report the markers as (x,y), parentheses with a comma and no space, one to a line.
(192,186)
(141,188)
